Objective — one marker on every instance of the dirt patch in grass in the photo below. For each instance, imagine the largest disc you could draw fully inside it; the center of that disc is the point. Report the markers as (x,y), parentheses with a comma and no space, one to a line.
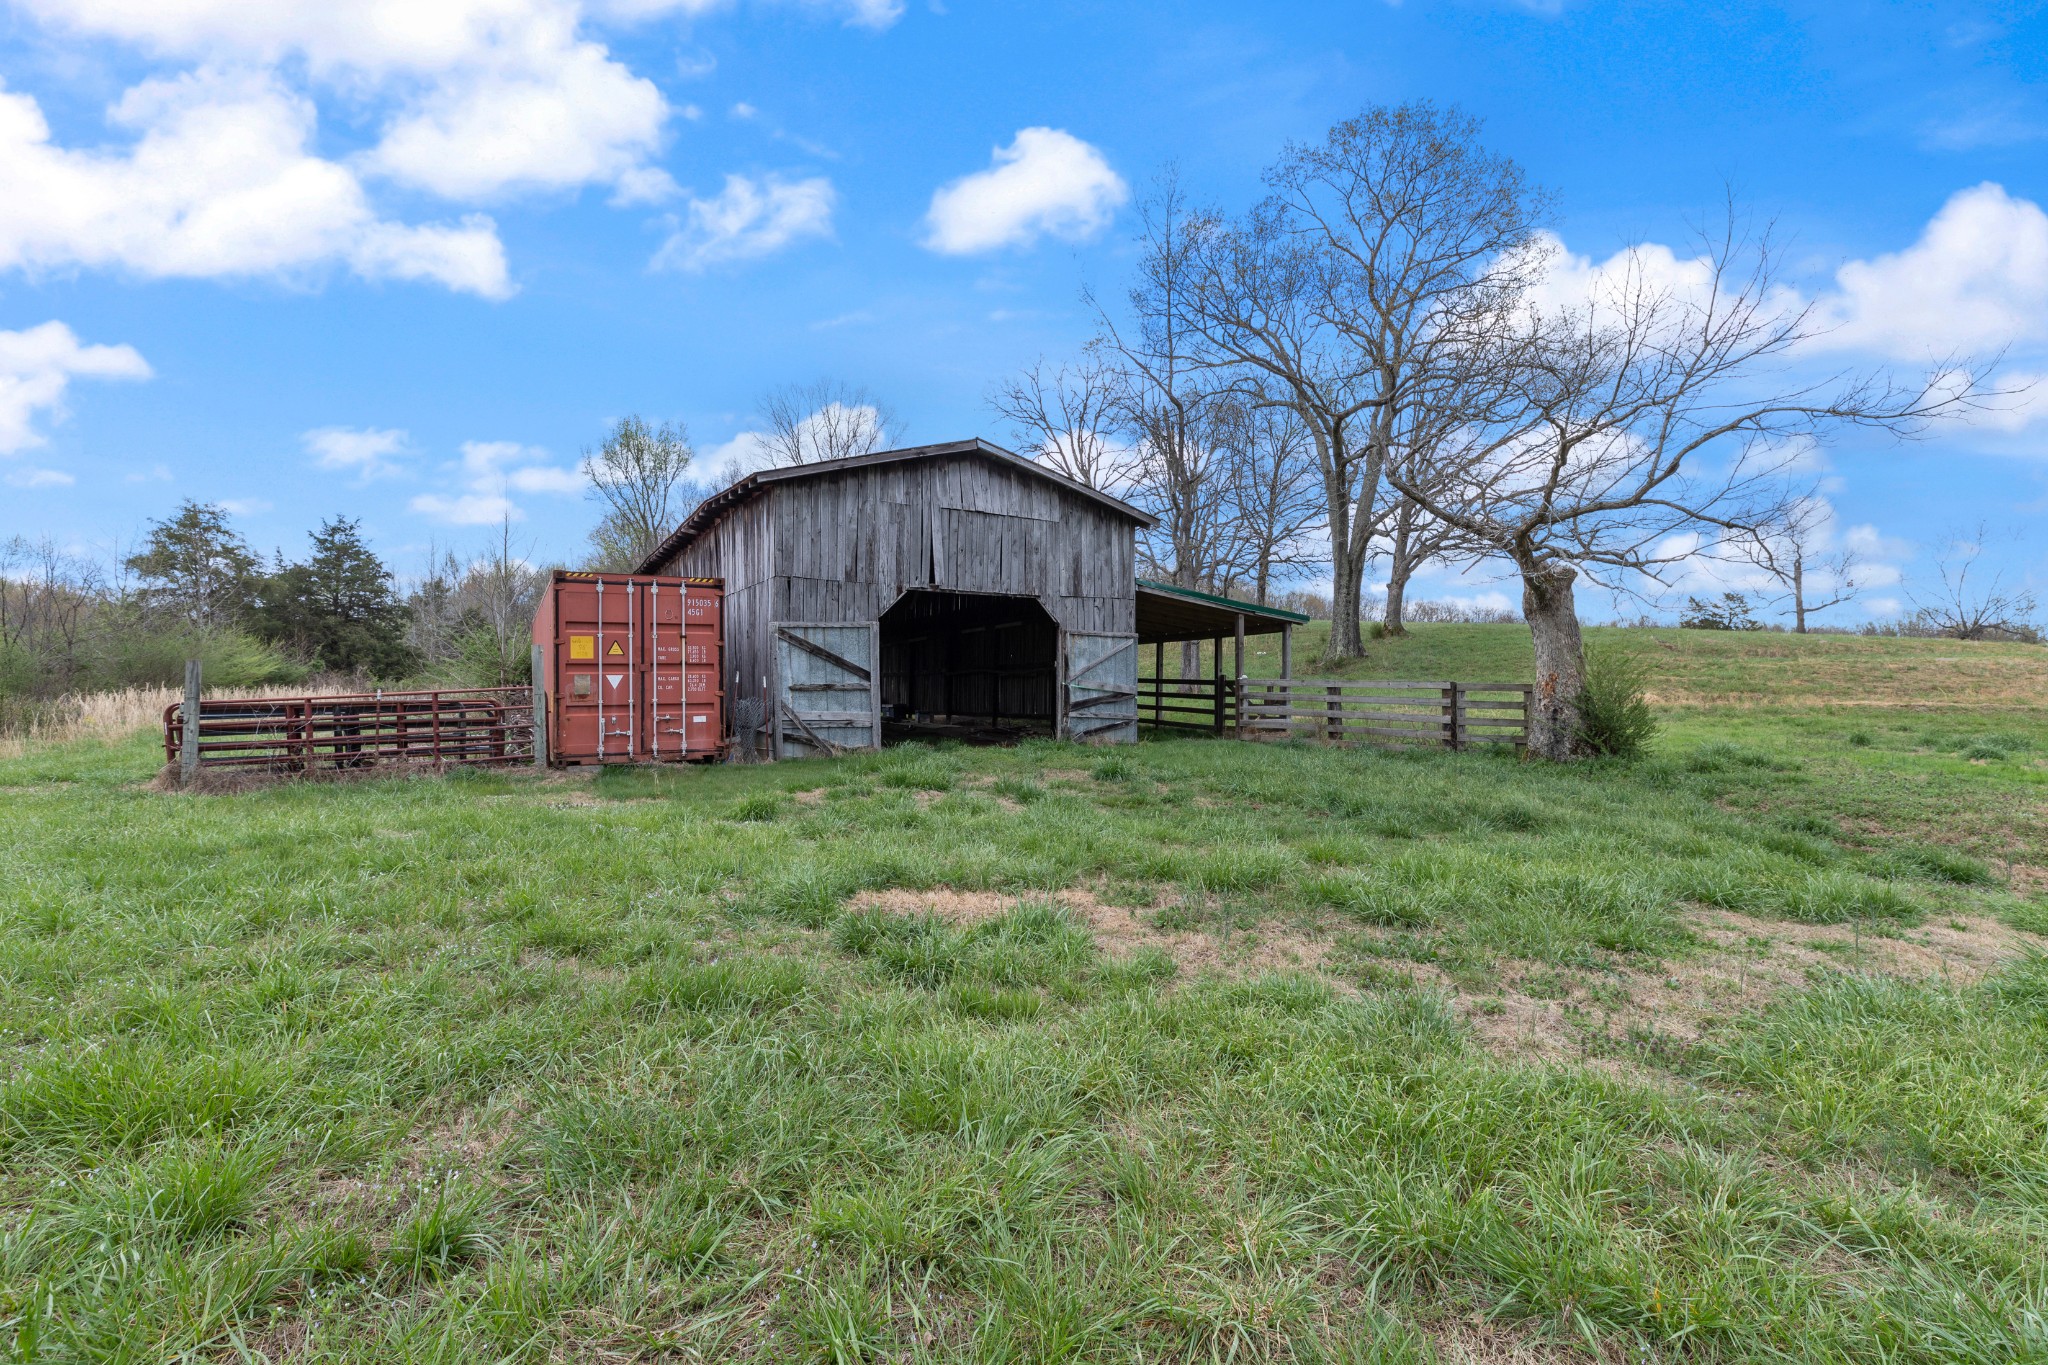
(1121,931)
(1556,1015)
(1490,1341)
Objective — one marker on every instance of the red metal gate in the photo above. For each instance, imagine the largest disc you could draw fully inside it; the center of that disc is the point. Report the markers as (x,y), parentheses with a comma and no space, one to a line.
(633,667)
(359,730)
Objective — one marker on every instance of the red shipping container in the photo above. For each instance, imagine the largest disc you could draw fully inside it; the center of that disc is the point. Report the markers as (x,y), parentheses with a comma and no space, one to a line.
(634,667)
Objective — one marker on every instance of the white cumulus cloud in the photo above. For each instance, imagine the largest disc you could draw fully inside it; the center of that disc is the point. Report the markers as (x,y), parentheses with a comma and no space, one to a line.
(367,452)
(489,472)
(37,365)
(218,183)
(749,219)
(1047,182)
(1976,281)
(39,478)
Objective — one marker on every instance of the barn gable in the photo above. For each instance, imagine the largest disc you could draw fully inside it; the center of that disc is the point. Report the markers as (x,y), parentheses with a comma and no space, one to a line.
(978,573)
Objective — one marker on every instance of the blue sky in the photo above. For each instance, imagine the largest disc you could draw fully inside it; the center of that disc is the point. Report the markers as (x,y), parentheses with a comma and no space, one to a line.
(402,261)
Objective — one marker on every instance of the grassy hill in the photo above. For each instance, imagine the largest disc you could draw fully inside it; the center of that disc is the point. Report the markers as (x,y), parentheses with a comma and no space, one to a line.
(1196,1051)
(1695,667)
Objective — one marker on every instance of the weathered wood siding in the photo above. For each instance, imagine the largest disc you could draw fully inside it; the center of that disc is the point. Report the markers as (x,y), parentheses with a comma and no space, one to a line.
(844,546)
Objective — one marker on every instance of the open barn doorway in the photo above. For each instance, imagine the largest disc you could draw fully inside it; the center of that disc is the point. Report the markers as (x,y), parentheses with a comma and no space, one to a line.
(969,666)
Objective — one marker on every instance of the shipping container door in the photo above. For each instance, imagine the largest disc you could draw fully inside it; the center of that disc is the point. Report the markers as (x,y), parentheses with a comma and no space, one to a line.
(826,689)
(579,687)
(704,668)
(1102,688)
(661,609)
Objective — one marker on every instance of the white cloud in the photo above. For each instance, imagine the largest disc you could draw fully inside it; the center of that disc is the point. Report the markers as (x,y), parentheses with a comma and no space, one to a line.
(369,451)
(489,472)
(574,117)
(2025,403)
(37,365)
(218,182)
(1047,182)
(1976,281)
(245,507)
(39,478)
(644,185)
(467,509)
(479,97)
(750,219)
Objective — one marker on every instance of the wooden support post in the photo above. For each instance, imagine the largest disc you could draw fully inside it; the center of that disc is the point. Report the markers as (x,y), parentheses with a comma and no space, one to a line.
(1453,728)
(1287,651)
(1158,681)
(1335,724)
(1237,721)
(1216,655)
(188,748)
(540,710)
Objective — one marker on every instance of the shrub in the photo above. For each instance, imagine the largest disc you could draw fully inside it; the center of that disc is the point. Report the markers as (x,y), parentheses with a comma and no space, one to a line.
(1614,716)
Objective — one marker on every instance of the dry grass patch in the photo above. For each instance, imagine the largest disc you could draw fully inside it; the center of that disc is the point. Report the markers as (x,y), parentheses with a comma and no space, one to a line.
(1121,931)
(1553,1014)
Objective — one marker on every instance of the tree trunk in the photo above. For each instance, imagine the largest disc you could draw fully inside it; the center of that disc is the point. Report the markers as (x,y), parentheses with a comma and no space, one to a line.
(1345,640)
(1799,594)
(1190,661)
(1398,571)
(1560,658)
(1397,602)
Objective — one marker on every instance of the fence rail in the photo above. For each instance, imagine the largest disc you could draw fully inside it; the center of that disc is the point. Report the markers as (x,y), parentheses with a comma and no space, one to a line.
(360,730)
(1455,715)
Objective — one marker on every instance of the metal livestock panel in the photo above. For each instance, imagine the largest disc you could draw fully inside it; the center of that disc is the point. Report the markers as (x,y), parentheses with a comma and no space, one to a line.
(1102,687)
(827,695)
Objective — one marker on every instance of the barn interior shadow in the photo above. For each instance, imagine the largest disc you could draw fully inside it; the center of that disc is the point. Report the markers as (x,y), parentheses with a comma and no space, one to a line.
(975,667)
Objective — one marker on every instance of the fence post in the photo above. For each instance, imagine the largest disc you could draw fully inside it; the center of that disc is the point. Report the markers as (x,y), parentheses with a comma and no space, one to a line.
(1528,721)
(540,711)
(1453,718)
(1237,721)
(188,751)
(1335,724)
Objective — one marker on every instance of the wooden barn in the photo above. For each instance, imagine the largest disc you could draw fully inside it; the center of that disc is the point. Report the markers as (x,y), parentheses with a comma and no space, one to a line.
(953,589)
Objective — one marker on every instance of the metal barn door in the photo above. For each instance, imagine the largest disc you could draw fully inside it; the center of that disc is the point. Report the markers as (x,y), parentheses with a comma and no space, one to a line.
(1102,688)
(827,689)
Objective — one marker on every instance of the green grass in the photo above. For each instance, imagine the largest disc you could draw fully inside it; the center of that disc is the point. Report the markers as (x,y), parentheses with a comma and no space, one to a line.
(505,1068)
(1696,666)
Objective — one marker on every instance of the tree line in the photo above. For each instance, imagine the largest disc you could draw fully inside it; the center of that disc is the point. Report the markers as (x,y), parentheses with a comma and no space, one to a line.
(195,589)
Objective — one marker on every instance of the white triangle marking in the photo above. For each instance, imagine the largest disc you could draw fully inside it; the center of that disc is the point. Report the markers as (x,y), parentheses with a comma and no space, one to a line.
(614,678)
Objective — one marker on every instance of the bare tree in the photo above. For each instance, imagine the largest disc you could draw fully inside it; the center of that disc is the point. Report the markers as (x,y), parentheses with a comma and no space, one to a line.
(472,619)
(1643,414)
(1351,294)
(1968,605)
(1173,408)
(635,474)
(48,603)
(824,420)
(1793,547)
(1071,418)
(1274,496)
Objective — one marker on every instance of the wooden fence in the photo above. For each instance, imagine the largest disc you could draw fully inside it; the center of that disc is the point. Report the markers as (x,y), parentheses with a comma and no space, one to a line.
(1453,714)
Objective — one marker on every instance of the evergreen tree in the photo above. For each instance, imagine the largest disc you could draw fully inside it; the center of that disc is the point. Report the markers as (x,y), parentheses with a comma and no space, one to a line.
(195,567)
(339,606)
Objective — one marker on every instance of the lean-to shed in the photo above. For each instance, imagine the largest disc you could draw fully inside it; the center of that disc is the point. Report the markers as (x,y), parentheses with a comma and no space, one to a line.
(919,588)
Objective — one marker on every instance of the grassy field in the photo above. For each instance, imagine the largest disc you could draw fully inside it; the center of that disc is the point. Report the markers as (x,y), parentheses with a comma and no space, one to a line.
(1195,1051)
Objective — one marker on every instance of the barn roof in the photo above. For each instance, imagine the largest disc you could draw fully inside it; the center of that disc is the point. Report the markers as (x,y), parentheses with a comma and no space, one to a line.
(1166,613)
(751,486)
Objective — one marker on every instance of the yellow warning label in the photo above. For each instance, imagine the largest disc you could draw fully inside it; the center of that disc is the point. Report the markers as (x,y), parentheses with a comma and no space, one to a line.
(615,649)
(582,646)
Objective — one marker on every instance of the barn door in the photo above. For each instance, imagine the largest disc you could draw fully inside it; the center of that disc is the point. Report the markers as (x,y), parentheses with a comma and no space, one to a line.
(827,689)
(1102,688)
